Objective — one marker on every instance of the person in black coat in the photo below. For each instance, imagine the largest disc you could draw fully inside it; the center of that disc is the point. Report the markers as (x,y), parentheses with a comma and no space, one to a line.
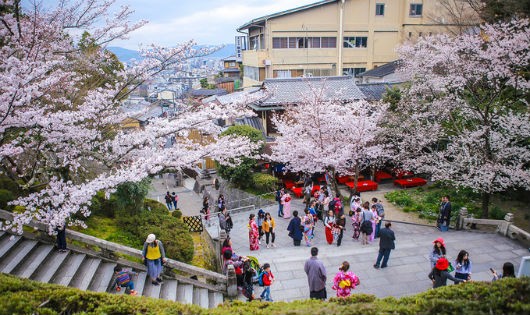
(439,274)
(295,232)
(386,244)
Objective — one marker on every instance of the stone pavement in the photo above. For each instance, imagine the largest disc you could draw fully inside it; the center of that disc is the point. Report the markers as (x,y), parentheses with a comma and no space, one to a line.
(189,202)
(408,264)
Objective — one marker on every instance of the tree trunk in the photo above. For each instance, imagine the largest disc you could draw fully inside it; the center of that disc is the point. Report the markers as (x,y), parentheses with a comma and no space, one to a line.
(333,182)
(485,204)
(355,179)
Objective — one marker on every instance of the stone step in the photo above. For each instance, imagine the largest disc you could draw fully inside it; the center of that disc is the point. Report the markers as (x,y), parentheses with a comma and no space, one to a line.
(85,273)
(49,267)
(33,261)
(139,282)
(66,273)
(169,290)
(151,290)
(200,297)
(214,299)
(102,277)
(7,242)
(185,293)
(17,255)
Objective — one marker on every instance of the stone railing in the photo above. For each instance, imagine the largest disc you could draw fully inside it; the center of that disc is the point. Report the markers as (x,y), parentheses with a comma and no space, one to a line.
(504,227)
(109,250)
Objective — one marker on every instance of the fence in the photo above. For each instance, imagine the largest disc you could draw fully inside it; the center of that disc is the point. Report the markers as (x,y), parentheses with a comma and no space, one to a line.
(504,227)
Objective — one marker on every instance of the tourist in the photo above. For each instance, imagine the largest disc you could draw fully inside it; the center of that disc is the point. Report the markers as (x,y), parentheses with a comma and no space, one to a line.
(380,213)
(325,202)
(439,274)
(169,201)
(508,271)
(356,223)
(355,203)
(227,245)
(463,266)
(340,226)
(308,224)
(286,202)
(386,245)
(316,276)
(220,202)
(269,226)
(267,280)
(61,237)
(222,220)
(445,214)
(366,223)
(154,257)
(329,225)
(438,251)
(123,279)
(261,217)
(375,220)
(253,233)
(279,195)
(345,281)
(295,229)
(175,200)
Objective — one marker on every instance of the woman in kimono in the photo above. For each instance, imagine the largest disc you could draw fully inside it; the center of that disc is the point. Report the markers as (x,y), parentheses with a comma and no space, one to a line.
(356,223)
(308,223)
(329,223)
(345,281)
(286,202)
(253,233)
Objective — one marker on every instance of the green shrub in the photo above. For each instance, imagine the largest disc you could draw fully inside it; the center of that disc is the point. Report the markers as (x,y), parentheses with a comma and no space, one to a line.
(506,296)
(5,197)
(177,214)
(102,206)
(400,198)
(264,182)
(8,184)
(497,213)
(156,219)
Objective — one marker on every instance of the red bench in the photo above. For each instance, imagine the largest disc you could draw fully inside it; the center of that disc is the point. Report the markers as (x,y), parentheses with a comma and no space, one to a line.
(299,191)
(410,182)
(381,175)
(363,185)
(288,183)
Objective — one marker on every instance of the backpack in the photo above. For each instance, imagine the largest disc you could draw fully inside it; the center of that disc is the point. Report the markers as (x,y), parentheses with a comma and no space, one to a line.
(260,278)
(380,209)
(123,278)
(366,226)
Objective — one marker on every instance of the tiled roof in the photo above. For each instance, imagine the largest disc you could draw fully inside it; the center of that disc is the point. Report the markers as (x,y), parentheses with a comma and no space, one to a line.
(252,122)
(381,71)
(208,92)
(231,97)
(286,91)
(375,91)
(231,70)
(286,12)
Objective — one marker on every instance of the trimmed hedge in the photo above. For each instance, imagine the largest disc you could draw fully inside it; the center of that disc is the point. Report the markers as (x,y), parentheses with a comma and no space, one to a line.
(506,296)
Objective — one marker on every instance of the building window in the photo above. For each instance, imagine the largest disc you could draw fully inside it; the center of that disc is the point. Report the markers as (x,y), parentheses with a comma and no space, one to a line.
(355,42)
(379,9)
(304,42)
(410,34)
(280,42)
(254,42)
(251,72)
(282,73)
(416,9)
(353,71)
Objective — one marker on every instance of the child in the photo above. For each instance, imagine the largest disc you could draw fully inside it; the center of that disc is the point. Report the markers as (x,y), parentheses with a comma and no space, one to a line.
(345,281)
(268,279)
(124,279)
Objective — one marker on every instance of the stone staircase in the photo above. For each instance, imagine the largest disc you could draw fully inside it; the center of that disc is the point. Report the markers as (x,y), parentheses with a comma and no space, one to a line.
(38,260)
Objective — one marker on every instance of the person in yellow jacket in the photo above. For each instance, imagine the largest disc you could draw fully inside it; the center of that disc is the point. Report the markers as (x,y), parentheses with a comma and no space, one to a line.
(154,257)
(268,227)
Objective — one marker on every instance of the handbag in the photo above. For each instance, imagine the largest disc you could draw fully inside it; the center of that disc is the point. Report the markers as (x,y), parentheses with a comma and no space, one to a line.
(366,226)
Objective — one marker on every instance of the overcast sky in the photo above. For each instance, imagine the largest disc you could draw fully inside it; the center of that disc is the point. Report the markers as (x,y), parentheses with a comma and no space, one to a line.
(205,21)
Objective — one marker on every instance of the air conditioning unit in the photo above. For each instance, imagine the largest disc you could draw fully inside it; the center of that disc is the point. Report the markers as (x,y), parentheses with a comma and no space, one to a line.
(267,62)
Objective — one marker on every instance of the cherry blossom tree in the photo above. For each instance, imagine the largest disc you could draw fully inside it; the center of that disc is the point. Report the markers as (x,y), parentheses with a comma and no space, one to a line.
(60,135)
(327,134)
(464,119)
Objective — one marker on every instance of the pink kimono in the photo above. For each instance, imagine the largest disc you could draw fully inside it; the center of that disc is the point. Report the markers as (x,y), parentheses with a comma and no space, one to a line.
(253,235)
(286,201)
(344,282)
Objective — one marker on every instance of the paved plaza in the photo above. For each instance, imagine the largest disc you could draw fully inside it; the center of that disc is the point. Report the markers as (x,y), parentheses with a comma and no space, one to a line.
(408,264)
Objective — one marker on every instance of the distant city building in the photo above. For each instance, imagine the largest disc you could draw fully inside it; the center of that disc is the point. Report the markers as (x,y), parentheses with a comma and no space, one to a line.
(337,37)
